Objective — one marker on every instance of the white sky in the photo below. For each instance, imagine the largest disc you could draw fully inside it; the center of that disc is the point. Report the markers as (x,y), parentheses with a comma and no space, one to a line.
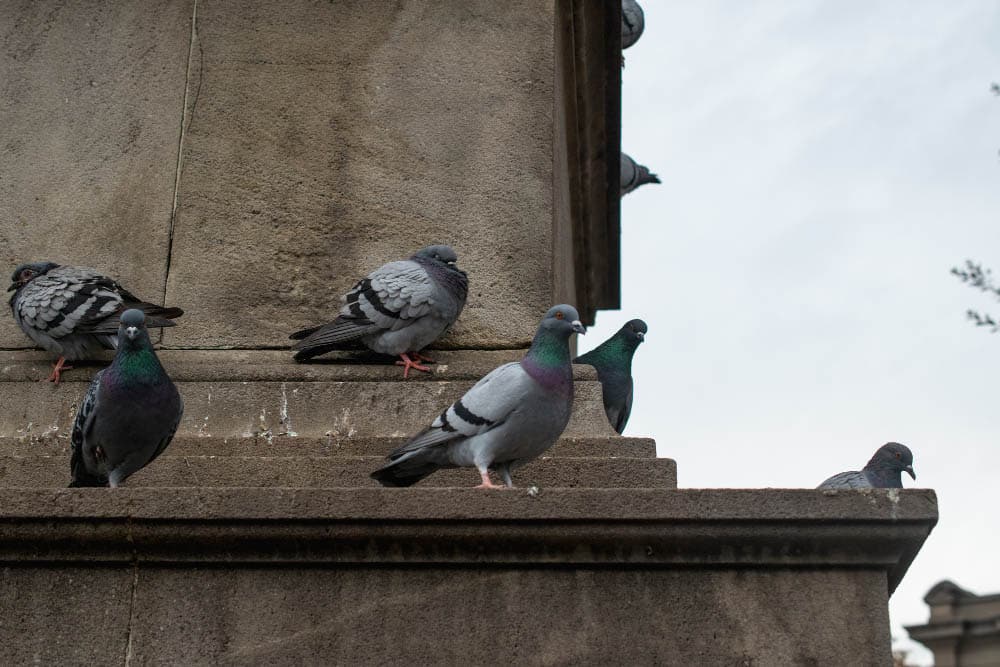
(824,164)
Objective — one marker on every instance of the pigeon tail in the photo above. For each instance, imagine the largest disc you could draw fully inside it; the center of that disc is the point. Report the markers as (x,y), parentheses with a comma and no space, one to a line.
(405,471)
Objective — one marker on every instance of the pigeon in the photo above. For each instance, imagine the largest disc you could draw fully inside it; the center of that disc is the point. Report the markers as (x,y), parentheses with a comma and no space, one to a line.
(613,361)
(882,472)
(507,419)
(398,309)
(73,311)
(633,175)
(130,412)
(633,23)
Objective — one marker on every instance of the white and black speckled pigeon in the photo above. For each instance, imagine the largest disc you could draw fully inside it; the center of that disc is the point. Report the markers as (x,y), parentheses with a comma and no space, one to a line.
(130,412)
(884,471)
(634,175)
(613,361)
(507,419)
(73,311)
(633,23)
(398,309)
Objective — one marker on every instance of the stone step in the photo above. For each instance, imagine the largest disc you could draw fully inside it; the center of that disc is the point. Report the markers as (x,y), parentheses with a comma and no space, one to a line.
(186,445)
(230,393)
(342,471)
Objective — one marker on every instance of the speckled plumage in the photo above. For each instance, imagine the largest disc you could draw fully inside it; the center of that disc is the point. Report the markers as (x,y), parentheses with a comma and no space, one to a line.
(73,311)
(634,175)
(129,414)
(633,22)
(401,307)
(507,419)
(613,361)
(883,471)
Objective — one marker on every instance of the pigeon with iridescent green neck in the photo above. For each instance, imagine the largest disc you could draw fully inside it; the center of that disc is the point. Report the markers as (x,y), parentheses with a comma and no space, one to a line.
(613,361)
(507,419)
(130,412)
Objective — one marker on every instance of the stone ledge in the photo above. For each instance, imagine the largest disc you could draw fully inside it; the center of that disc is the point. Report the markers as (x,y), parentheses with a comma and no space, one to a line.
(188,445)
(783,528)
(341,471)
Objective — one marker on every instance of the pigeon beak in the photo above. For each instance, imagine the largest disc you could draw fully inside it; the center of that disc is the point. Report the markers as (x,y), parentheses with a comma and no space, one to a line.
(578,327)
(909,469)
(132,332)
(640,335)
(13,286)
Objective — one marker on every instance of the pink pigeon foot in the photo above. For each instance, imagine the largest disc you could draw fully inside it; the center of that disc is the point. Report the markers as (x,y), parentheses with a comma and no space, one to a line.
(57,368)
(408,363)
(487,482)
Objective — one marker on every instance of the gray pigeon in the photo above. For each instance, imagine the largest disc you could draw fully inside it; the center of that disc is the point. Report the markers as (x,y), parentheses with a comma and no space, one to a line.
(73,311)
(398,309)
(884,471)
(130,412)
(633,175)
(633,23)
(613,361)
(507,419)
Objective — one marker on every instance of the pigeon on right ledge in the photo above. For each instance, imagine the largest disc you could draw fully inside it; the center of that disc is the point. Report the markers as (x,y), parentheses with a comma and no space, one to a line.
(634,175)
(613,361)
(884,471)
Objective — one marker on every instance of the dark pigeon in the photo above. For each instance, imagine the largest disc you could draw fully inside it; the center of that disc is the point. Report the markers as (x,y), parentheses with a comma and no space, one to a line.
(884,471)
(507,419)
(634,175)
(74,311)
(613,361)
(633,23)
(398,309)
(129,415)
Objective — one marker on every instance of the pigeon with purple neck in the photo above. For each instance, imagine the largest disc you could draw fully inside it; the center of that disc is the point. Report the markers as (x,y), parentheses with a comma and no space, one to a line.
(507,419)
(884,470)
(129,415)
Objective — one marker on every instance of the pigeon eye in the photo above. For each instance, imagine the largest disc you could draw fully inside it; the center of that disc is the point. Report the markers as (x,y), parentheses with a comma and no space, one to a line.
(898,455)
(559,315)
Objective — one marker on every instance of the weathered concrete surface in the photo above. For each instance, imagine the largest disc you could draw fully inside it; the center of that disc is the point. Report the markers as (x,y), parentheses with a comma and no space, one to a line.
(262,445)
(247,393)
(171,470)
(328,138)
(596,576)
(92,94)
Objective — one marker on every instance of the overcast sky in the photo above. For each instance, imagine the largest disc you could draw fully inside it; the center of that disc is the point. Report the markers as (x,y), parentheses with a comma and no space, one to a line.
(824,165)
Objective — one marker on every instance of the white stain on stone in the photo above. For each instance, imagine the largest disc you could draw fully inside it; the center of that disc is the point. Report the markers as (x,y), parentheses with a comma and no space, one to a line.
(893,496)
(283,417)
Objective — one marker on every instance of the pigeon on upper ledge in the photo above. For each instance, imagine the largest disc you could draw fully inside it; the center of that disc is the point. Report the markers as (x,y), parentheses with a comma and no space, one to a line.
(398,309)
(73,311)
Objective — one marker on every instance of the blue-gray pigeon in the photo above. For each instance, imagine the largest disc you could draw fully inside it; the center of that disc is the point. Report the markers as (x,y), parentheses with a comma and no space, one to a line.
(613,361)
(633,23)
(507,419)
(884,471)
(130,412)
(634,175)
(398,309)
(73,311)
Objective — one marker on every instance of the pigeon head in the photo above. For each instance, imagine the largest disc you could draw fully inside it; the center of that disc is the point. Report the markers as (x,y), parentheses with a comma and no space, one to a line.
(562,320)
(27,272)
(438,253)
(132,330)
(894,457)
(634,332)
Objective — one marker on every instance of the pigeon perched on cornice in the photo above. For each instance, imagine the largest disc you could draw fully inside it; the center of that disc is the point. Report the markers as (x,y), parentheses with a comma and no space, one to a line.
(73,311)
(634,175)
(130,412)
(633,23)
(613,361)
(398,309)
(507,419)
(883,471)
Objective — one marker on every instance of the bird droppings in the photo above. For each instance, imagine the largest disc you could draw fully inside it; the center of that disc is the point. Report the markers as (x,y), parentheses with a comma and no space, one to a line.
(893,496)
(283,417)
(534,491)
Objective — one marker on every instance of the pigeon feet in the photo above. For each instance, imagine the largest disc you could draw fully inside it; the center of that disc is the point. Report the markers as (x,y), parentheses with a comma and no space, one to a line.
(407,363)
(420,357)
(57,368)
(487,482)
